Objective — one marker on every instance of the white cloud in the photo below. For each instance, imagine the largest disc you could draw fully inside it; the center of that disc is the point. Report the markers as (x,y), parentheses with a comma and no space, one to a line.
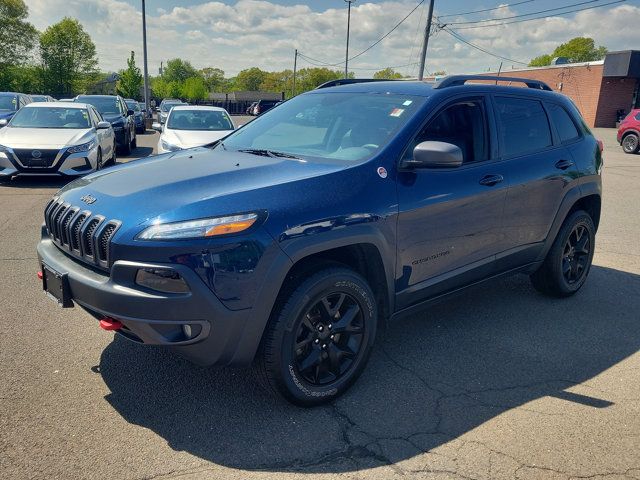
(260,33)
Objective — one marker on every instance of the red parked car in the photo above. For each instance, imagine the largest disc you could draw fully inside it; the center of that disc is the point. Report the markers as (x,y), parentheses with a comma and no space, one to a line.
(629,132)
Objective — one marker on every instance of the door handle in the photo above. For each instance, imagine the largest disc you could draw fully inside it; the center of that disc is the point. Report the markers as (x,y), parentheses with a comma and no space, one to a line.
(491,180)
(563,164)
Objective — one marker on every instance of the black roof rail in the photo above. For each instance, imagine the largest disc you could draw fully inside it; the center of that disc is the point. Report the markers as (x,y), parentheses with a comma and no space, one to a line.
(348,81)
(457,80)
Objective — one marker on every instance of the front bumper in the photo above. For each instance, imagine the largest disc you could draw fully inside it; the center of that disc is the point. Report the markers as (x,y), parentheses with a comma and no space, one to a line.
(64,164)
(153,317)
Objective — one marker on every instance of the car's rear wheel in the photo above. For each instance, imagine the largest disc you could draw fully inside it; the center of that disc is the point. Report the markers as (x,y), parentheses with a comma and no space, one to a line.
(134,140)
(631,143)
(114,153)
(320,337)
(568,262)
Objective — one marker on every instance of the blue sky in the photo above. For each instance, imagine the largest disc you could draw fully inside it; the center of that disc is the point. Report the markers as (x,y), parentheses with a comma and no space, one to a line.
(239,34)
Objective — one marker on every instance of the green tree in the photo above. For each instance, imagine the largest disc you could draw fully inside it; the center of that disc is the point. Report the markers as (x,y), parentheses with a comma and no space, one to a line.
(439,73)
(178,70)
(214,79)
(578,49)
(17,36)
(387,74)
(278,82)
(309,78)
(130,82)
(249,79)
(194,89)
(68,57)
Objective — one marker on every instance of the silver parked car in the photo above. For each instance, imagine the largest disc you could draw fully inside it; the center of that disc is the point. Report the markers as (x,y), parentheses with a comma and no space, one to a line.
(55,138)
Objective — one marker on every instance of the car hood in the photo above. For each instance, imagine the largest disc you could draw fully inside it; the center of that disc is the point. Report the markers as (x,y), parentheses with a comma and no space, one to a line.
(189,184)
(43,137)
(112,118)
(192,138)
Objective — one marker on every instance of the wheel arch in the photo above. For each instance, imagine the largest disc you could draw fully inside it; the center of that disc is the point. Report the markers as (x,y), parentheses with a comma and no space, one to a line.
(364,254)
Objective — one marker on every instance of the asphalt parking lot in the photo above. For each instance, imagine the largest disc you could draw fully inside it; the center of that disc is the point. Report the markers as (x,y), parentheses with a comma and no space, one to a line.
(499,383)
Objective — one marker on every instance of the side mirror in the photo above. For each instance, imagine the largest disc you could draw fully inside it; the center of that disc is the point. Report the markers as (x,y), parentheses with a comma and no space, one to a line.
(103,126)
(434,155)
(156,126)
(130,113)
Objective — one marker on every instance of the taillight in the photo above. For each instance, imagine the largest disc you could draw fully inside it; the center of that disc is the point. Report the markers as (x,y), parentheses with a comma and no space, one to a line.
(600,146)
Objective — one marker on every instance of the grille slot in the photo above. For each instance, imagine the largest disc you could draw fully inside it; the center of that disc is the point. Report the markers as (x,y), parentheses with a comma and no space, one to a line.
(104,240)
(75,231)
(80,232)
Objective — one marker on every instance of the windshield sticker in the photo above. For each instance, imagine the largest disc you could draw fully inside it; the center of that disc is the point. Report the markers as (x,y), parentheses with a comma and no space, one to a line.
(407,103)
(396,112)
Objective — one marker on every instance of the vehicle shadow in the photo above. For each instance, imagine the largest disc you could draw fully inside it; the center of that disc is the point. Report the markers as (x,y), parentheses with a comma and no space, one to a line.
(38,182)
(138,152)
(432,378)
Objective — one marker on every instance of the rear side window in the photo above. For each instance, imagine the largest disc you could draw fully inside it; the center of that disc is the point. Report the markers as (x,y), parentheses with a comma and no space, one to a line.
(524,127)
(638,116)
(564,125)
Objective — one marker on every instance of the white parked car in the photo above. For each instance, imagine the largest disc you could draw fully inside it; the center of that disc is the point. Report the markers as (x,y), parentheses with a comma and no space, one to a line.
(55,138)
(193,126)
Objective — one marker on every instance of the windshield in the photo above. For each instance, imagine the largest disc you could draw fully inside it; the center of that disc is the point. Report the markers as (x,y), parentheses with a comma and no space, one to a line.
(8,102)
(168,106)
(342,126)
(105,105)
(133,106)
(199,120)
(51,117)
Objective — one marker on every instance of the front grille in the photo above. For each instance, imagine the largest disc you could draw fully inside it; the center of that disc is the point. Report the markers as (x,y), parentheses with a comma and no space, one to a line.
(43,158)
(80,233)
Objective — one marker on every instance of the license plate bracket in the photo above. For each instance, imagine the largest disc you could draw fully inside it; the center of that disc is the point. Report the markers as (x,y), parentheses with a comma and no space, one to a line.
(56,286)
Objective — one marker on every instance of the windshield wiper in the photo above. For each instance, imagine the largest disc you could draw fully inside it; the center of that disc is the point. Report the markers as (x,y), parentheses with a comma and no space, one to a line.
(268,153)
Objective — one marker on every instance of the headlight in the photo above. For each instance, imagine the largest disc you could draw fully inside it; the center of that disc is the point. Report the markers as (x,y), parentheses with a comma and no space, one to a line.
(207,227)
(85,147)
(169,146)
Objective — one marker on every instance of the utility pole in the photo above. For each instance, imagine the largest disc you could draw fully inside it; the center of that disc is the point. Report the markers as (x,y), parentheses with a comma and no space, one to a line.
(144,55)
(346,58)
(427,31)
(295,68)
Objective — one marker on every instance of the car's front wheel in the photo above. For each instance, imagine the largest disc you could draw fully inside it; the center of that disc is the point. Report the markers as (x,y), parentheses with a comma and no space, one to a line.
(319,338)
(631,143)
(126,148)
(99,159)
(568,262)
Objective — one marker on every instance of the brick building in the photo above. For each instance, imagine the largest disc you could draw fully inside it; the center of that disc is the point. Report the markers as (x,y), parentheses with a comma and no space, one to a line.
(599,89)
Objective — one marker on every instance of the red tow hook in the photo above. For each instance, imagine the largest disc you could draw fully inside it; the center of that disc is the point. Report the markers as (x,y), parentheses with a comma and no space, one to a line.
(40,275)
(110,324)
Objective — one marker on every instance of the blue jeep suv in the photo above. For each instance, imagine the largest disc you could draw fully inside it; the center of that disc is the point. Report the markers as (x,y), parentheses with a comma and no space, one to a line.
(288,242)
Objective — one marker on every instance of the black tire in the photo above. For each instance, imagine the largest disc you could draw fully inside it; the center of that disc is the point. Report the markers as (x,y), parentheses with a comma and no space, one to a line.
(134,141)
(126,148)
(631,143)
(99,160)
(331,356)
(567,264)
(114,155)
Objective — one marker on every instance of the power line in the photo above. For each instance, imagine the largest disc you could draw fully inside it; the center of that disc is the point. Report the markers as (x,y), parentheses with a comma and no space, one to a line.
(523,14)
(486,9)
(322,64)
(473,45)
(540,18)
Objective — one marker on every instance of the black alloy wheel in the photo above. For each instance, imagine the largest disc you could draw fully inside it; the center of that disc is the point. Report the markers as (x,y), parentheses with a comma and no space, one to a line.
(328,339)
(575,256)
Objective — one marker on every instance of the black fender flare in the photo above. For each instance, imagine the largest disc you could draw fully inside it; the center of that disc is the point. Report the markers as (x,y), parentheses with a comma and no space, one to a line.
(574,195)
(294,250)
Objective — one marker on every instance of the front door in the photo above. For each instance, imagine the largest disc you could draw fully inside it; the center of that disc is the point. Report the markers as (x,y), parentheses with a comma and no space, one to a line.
(450,220)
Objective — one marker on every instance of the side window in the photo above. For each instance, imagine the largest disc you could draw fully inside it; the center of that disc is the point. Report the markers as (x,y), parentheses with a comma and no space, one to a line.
(94,116)
(462,124)
(564,125)
(523,124)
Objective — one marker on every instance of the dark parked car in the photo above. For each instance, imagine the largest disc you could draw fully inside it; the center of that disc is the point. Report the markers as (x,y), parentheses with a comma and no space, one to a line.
(289,241)
(629,132)
(138,114)
(42,98)
(10,103)
(263,106)
(115,111)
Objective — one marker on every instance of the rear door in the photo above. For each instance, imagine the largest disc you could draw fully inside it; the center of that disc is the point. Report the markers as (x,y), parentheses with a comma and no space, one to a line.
(450,219)
(540,168)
